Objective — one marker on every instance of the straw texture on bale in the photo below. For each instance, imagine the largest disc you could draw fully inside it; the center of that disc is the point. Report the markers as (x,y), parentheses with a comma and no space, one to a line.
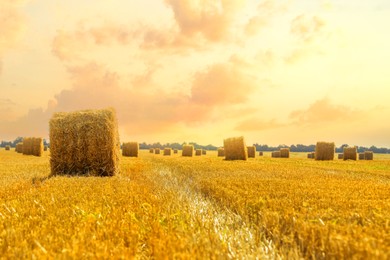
(325,151)
(221,152)
(284,152)
(7,148)
(340,156)
(85,143)
(33,146)
(156,150)
(198,152)
(27,146)
(175,151)
(19,147)
(151,150)
(167,151)
(350,153)
(260,153)
(361,156)
(235,148)
(204,152)
(368,155)
(275,154)
(188,150)
(251,151)
(130,149)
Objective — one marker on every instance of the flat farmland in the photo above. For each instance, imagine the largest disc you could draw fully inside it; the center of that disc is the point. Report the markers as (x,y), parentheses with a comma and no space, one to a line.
(197,207)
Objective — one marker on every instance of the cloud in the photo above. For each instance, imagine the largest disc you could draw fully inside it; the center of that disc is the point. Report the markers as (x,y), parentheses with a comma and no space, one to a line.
(323,111)
(7,109)
(255,124)
(306,28)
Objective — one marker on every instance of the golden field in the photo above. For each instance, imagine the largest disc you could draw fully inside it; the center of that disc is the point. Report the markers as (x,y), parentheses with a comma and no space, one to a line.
(197,207)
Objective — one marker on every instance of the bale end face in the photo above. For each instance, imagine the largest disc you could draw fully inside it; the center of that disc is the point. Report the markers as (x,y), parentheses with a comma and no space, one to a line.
(188,150)
(235,149)
(198,152)
(368,155)
(7,148)
(151,150)
(261,153)
(251,151)
(221,152)
(325,151)
(157,151)
(361,156)
(285,153)
(175,151)
(204,152)
(130,149)
(350,153)
(167,151)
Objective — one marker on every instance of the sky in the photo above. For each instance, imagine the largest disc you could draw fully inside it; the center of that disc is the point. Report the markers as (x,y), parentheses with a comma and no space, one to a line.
(275,72)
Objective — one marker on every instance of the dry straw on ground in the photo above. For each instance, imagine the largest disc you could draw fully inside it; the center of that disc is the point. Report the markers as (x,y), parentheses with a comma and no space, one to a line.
(275,154)
(7,148)
(85,143)
(188,150)
(221,152)
(340,156)
(350,153)
(284,152)
(235,148)
(361,156)
(198,152)
(130,149)
(251,151)
(325,151)
(368,155)
(156,150)
(167,151)
(151,150)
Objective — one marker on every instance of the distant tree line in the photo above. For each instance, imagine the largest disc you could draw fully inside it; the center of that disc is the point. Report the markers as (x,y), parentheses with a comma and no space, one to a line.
(259,147)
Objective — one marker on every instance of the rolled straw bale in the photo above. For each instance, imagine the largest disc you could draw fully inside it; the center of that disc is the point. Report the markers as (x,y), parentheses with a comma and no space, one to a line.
(130,149)
(45,148)
(167,151)
(151,150)
(27,145)
(7,148)
(188,150)
(368,155)
(361,156)
(260,153)
(340,156)
(198,152)
(251,151)
(204,152)
(221,152)
(284,152)
(313,155)
(275,154)
(235,148)
(19,147)
(156,150)
(325,151)
(309,156)
(37,146)
(350,153)
(85,143)
(175,151)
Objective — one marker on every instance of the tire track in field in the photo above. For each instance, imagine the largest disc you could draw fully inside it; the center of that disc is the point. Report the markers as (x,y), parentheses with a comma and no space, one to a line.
(239,239)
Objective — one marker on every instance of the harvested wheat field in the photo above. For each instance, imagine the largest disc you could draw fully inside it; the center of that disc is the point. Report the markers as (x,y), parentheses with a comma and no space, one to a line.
(197,207)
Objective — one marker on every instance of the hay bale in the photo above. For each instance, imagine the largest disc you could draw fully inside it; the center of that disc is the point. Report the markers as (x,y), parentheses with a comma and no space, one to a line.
(313,155)
(361,156)
(261,153)
(325,151)
(85,143)
(251,151)
(175,151)
(309,156)
(221,152)
(37,146)
(7,148)
(27,145)
(284,152)
(350,153)
(188,150)
(198,152)
(340,156)
(204,152)
(235,149)
(130,149)
(151,150)
(167,151)
(45,148)
(156,150)
(19,147)
(275,154)
(368,155)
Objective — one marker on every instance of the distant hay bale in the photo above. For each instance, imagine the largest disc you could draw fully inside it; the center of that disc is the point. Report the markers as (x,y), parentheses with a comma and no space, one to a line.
(261,153)
(284,152)
(309,156)
(130,149)
(85,143)
(204,152)
(350,153)
(235,149)
(368,155)
(251,151)
(340,156)
(167,151)
(151,150)
(156,150)
(325,151)
(198,152)
(27,145)
(33,146)
(19,147)
(313,155)
(45,148)
(7,148)
(175,151)
(221,152)
(361,156)
(275,154)
(188,150)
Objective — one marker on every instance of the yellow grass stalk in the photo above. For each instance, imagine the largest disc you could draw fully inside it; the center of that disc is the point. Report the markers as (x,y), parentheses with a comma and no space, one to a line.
(235,149)
(325,151)
(84,143)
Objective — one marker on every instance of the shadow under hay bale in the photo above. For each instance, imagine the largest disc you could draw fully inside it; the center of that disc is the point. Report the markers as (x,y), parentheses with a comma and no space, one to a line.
(188,150)
(130,149)
(325,151)
(251,151)
(85,143)
(235,149)
(221,152)
(361,156)
(350,153)
(340,156)
(167,151)
(368,155)
(198,152)
(284,152)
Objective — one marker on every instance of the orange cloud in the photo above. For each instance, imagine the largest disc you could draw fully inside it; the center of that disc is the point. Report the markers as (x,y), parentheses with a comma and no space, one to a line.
(307,28)
(255,124)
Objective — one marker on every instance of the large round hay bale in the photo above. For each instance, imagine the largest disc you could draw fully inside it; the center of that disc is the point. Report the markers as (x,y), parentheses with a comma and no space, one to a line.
(7,148)
(85,143)
(45,148)
(130,149)
(156,150)
(235,148)
(19,147)
(261,153)
(221,152)
(168,151)
(350,153)
(27,145)
(204,152)
(175,151)
(361,156)
(309,156)
(251,151)
(340,156)
(198,152)
(325,151)
(368,155)
(151,150)
(284,152)
(275,154)
(188,150)
(37,146)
